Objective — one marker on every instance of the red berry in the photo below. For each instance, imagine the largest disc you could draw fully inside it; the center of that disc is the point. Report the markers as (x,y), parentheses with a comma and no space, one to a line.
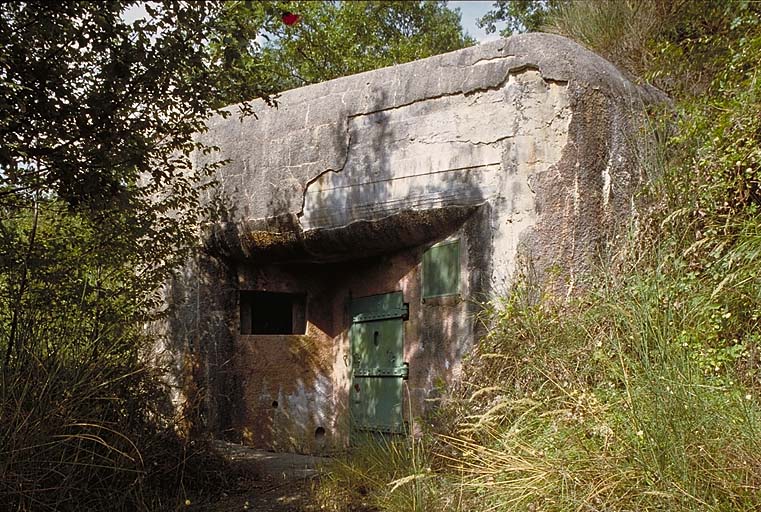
(290,19)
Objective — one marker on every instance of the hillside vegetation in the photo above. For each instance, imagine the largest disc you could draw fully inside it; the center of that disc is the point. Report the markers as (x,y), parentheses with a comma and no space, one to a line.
(644,392)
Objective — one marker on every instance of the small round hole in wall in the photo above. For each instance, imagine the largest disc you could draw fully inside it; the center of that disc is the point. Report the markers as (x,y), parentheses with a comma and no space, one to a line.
(274,404)
(319,434)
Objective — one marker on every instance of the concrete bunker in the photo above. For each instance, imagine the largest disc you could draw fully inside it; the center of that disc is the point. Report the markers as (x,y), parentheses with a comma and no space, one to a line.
(366,217)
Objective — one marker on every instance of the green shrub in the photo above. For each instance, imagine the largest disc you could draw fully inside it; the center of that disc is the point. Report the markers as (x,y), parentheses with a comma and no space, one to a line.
(85,420)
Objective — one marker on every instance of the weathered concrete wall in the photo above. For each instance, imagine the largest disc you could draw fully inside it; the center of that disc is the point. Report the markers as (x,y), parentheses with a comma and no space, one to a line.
(521,148)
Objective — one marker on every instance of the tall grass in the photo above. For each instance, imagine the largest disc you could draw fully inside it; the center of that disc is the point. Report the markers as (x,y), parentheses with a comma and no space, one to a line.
(678,45)
(394,473)
(383,473)
(92,435)
(612,404)
(620,30)
(643,393)
(634,396)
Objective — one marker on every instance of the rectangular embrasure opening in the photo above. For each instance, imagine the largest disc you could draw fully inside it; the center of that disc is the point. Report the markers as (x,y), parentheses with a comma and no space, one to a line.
(272,313)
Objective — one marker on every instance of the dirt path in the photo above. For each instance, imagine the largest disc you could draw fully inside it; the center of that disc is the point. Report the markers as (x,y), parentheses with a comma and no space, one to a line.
(267,495)
(267,482)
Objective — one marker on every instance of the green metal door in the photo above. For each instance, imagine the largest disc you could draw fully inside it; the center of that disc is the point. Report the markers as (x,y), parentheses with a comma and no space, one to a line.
(377,345)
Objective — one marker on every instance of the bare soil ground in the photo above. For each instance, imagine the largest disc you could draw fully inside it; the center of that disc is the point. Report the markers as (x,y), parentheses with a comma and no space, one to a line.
(266,482)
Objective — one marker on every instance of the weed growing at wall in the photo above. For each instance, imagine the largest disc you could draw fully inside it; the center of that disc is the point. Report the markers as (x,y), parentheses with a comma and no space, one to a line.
(384,473)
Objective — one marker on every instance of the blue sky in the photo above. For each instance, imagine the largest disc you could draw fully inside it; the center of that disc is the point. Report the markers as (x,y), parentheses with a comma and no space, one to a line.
(470,11)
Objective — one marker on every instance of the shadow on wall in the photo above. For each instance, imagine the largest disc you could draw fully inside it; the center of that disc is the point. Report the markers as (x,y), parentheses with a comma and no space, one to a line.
(286,387)
(200,341)
(380,200)
(200,325)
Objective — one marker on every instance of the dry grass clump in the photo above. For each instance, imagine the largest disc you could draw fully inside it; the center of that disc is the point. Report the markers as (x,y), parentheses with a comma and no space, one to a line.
(94,437)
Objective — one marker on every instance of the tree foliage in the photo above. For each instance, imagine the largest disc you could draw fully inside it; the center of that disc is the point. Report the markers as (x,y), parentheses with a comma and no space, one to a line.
(333,39)
(97,114)
(97,205)
(518,15)
(96,131)
(90,102)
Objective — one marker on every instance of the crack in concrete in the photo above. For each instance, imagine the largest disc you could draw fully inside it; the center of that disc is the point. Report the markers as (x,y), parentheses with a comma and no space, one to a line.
(511,72)
(300,213)
(483,60)
(466,141)
(394,178)
(461,92)
(479,62)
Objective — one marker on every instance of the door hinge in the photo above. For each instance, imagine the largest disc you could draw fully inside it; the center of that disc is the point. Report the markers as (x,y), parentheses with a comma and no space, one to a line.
(402,371)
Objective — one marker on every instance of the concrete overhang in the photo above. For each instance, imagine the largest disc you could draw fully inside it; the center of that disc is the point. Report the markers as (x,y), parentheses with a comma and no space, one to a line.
(400,156)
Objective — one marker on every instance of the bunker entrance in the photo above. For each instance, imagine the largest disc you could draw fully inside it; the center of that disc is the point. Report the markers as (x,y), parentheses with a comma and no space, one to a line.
(377,348)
